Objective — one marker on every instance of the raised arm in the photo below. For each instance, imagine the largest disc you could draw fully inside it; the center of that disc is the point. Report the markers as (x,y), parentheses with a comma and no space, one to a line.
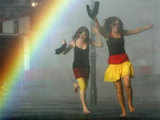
(137,30)
(100,28)
(92,13)
(98,42)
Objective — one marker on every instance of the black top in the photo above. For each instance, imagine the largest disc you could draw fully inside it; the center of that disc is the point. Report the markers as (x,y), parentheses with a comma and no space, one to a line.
(116,45)
(81,57)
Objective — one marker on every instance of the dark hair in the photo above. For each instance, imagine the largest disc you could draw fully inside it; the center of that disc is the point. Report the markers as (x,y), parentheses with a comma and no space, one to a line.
(109,21)
(79,31)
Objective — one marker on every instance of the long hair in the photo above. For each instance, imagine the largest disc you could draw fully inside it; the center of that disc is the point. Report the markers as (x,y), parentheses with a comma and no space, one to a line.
(81,30)
(107,27)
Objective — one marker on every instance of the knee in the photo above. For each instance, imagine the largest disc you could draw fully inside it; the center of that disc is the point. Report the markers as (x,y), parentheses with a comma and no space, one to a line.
(82,84)
(128,87)
(127,83)
(119,90)
(126,78)
(83,88)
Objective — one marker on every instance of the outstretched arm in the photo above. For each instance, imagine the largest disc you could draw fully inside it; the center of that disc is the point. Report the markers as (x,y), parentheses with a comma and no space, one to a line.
(137,30)
(69,47)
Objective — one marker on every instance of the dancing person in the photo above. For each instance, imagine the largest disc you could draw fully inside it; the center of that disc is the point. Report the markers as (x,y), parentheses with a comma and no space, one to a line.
(81,67)
(120,69)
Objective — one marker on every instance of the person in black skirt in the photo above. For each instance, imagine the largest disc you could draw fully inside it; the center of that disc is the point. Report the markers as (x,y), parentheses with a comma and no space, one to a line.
(81,66)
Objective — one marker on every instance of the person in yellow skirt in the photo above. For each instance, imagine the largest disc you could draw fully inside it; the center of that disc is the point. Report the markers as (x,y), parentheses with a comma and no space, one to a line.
(120,69)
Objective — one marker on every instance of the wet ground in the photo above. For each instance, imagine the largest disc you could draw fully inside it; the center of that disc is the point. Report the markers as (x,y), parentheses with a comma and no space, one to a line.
(41,107)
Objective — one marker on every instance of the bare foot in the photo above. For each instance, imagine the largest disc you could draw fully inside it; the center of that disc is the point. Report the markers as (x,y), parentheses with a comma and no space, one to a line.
(76,87)
(86,111)
(131,108)
(123,115)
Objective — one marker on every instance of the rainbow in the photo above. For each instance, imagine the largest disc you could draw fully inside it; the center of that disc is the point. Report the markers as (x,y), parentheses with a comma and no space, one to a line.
(51,14)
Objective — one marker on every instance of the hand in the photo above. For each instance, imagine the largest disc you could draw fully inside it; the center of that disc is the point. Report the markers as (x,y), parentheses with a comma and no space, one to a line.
(64,42)
(95,30)
(149,26)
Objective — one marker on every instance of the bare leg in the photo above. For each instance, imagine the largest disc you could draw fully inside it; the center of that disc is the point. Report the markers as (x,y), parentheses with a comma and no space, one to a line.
(76,87)
(120,96)
(82,83)
(83,101)
(128,89)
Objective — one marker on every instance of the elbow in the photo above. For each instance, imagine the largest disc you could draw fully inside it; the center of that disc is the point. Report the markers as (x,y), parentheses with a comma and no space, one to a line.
(64,53)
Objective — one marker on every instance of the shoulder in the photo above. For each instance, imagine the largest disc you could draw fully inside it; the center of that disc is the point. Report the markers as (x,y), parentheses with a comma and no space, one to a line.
(125,32)
(72,43)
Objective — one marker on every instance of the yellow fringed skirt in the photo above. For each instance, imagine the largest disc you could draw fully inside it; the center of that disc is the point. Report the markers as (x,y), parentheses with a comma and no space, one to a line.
(115,72)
